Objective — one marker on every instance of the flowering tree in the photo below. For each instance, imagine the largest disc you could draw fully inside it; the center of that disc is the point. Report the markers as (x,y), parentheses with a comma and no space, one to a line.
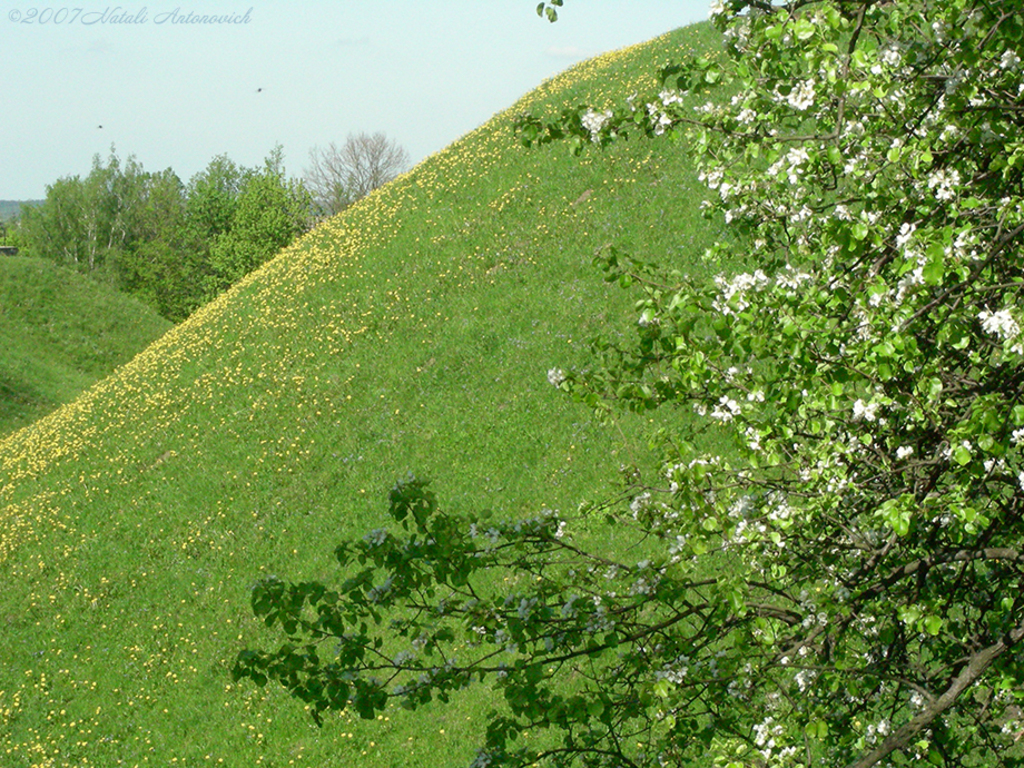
(842,583)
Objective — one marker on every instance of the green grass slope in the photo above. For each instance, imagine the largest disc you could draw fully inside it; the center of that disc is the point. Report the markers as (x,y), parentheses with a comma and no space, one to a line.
(412,332)
(60,333)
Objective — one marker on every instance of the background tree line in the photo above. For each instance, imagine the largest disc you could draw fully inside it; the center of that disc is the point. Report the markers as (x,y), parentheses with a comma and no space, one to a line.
(177,245)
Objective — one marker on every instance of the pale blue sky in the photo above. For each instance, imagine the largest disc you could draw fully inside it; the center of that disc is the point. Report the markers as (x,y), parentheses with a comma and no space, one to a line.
(176,94)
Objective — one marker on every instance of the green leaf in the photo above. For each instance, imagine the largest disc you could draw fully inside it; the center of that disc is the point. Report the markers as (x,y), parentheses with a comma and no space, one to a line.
(933,625)
(711,524)
(1018,415)
(962,456)
(935,268)
(803,29)
(816,729)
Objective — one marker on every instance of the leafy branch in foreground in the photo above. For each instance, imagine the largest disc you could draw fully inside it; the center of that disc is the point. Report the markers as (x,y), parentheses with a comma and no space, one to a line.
(841,584)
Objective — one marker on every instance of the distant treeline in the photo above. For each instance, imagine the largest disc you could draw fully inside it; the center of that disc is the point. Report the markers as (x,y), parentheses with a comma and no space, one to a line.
(10,209)
(173,245)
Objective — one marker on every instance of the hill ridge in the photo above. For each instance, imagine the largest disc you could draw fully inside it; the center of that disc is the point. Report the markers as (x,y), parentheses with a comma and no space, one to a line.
(411,332)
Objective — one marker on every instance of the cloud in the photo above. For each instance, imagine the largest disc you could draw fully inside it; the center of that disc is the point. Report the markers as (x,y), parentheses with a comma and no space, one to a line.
(352,42)
(101,46)
(566,52)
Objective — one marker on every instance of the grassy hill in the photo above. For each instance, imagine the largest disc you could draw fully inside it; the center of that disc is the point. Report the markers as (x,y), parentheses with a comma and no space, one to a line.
(412,332)
(61,332)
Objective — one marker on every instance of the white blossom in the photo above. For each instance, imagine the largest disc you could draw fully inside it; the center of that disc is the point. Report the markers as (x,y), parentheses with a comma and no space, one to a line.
(733,291)
(718,7)
(1009,60)
(999,323)
(647,318)
(804,678)
(865,411)
(791,279)
(876,731)
(906,234)
(376,537)
(640,503)
(792,164)
(556,376)
(944,182)
(726,409)
(801,98)
(594,121)
(670,97)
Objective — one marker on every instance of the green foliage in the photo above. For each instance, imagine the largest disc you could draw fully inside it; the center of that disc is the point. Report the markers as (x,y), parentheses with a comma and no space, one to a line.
(548,9)
(267,214)
(58,227)
(172,246)
(839,581)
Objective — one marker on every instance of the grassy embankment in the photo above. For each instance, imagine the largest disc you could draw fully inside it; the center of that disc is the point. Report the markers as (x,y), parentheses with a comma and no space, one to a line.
(413,332)
(60,333)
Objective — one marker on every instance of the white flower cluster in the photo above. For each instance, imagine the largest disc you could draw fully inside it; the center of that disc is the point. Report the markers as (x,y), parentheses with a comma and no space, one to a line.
(791,164)
(865,411)
(675,672)
(766,734)
(726,409)
(877,731)
(670,97)
(944,183)
(594,121)
(376,537)
(556,376)
(1003,325)
(905,240)
(804,678)
(1009,60)
(639,504)
(661,118)
(892,57)
(733,298)
(801,98)
(791,279)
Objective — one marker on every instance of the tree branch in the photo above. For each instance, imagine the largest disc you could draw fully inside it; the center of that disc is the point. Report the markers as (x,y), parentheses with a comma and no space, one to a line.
(976,667)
